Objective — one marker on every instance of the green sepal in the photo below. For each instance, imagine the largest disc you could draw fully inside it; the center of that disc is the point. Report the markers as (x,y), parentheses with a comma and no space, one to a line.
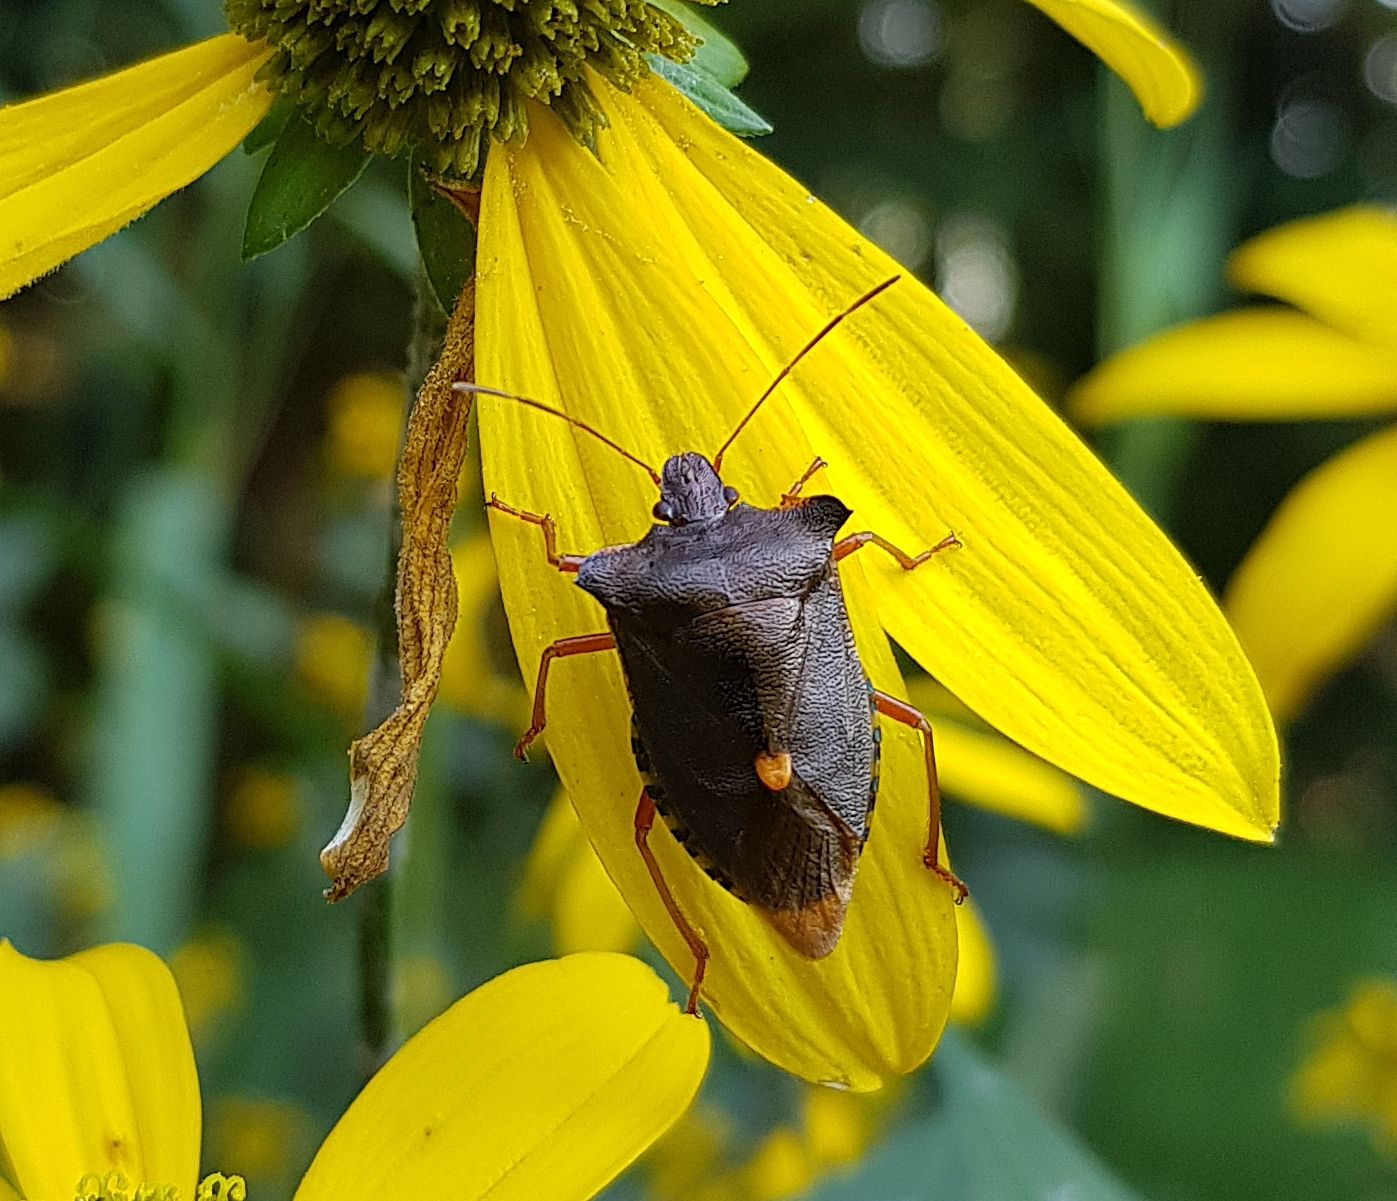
(445,239)
(270,127)
(712,97)
(718,55)
(300,180)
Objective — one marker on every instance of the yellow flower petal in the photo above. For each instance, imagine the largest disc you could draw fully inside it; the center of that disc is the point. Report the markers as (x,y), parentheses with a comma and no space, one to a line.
(977,980)
(565,882)
(1067,620)
(1157,69)
(655,292)
(1323,575)
(991,772)
(78,165)
(1339,266)
(1261,364)
(96,1071)
(555,307)
(545,1082)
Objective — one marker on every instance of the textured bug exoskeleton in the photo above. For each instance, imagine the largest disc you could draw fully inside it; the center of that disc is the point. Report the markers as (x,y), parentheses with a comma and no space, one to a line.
(754,726)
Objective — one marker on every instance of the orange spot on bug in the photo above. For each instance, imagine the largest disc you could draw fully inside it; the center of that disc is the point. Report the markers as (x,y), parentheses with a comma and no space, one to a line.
(774,769)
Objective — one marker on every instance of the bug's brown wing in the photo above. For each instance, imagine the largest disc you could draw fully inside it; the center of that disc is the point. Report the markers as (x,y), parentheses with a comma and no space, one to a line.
(711,693)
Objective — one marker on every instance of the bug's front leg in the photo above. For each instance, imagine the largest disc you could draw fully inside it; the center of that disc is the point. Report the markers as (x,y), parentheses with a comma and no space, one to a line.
(582,644)
(644,820)
(847,546)
(568,563)
(901,711)
(791,498)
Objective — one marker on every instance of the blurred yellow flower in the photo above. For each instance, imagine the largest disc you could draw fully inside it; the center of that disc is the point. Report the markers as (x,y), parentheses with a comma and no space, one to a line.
(1322,577)
(698,1160)
(263,1136)
(366,424)
(510,1093)
(29,816)
(332,662)
(421,990)
(262,810)
(1349,1075)
(210,972)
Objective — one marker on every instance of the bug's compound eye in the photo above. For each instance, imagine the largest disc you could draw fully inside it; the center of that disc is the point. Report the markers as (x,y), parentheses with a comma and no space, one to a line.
(730,496)
(663,511)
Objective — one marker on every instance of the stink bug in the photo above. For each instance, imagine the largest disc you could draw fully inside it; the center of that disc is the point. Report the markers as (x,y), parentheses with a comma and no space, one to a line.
(754,726)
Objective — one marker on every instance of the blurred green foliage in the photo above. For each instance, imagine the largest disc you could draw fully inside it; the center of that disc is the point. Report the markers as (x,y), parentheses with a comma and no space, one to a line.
(172,516)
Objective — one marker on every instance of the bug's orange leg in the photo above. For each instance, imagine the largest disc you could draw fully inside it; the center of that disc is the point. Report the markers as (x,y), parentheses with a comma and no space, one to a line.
(583,644)
(569,563)
(902,712)
(644,819)
(788,499)
(847,546)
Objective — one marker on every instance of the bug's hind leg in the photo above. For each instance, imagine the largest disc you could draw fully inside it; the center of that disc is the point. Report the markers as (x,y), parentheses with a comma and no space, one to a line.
(644,819)
(901,711)
(583,644)
(568,563)
(790,499)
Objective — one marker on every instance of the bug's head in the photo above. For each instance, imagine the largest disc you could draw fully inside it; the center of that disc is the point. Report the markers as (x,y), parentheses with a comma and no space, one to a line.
(690,490)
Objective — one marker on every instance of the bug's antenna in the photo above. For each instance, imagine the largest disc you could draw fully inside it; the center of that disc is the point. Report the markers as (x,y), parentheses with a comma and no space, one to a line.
(481,390)
(800,354)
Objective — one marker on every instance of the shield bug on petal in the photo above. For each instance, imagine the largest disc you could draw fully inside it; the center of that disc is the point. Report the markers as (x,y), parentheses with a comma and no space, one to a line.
(754,726)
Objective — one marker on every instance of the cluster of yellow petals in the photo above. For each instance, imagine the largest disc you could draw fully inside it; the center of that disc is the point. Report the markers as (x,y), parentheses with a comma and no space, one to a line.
(548,1080)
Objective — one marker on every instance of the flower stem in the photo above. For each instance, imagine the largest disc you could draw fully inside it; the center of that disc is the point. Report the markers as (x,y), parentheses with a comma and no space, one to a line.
(1170,204)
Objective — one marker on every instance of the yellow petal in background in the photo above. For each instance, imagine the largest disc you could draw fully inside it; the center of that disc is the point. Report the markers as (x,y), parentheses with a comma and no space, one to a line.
(475,679)
(78,165)
(594,295)
(545,1082)
(1323,575)
(1155,67)
(1258,364)
(1067,620)
(977,981)
(565,883)
(96,1072)
(992,773)
(1340,266)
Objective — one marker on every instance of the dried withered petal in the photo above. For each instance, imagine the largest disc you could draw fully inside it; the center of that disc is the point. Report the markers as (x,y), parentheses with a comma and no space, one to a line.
(383,764)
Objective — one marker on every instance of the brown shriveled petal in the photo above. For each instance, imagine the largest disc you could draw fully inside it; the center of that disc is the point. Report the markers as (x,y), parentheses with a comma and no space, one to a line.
(383,764)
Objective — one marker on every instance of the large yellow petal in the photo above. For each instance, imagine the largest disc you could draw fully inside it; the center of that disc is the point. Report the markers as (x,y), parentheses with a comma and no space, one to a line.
(988,770)
(1157,69)
(96,1071)
(1323,575)
(1260,364)
(591,295)
(1067,619)
(1341,266)
(78,165)
(545,1082)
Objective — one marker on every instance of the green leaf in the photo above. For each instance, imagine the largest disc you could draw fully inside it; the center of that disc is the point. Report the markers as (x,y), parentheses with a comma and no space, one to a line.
(986,1142)
(712,97)
(270,127)
(445,239)
(299,181)
(718,56)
